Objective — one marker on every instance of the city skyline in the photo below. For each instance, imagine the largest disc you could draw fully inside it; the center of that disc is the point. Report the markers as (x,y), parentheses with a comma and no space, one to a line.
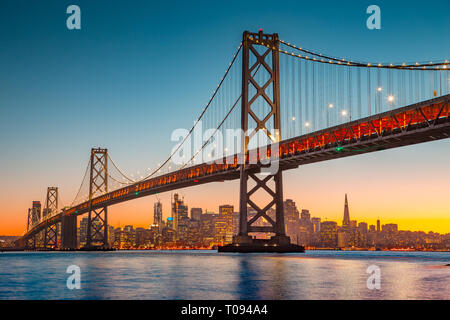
(195,229)
(167,212)
(214,210)
(198,229)
(383,184)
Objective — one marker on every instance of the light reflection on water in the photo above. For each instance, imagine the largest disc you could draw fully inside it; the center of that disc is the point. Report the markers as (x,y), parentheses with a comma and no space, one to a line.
(209,275)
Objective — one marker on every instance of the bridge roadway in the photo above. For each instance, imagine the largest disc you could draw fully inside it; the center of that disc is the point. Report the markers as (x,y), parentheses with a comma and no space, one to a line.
(421,122)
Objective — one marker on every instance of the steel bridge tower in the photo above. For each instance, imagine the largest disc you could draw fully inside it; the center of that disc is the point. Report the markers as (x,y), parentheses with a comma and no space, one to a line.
(30,243)
(51,208)
(270,125)
(97,230)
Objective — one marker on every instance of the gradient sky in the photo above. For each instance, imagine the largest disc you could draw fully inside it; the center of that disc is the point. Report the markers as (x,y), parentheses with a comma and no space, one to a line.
(112,84)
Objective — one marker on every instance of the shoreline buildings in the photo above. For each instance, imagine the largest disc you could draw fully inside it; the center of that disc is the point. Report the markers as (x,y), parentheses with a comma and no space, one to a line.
(206,229)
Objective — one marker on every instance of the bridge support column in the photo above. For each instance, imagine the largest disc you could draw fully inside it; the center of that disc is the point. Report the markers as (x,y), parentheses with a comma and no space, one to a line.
(51,208)
(268,124)
(97,230)
(30,243)
(51,236)
(69,232)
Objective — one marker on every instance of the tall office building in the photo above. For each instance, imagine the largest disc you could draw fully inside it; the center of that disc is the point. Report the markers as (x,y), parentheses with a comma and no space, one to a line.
(157,214)
(305,215)
(305,230)
(346,220)
(378,225)
(180,219)
(83,231)
(207,228)
(235,223)
(225,231)
(179,211)
(328,234)
(196,213)
(362,227)
(316,224)
(111,236)
(291,219)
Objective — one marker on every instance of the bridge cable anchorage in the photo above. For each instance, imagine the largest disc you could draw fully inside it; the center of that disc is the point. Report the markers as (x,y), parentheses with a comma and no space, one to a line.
(198,119)
(340,61)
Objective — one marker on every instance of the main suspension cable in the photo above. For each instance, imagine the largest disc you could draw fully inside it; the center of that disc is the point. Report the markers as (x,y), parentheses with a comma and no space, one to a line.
(199,118)
(332,60)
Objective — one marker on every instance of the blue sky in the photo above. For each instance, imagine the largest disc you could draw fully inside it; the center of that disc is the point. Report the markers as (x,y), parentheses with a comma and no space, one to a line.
(137,70)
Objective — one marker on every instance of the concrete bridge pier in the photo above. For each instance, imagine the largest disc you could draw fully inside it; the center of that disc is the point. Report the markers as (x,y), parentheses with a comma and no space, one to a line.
(69,232)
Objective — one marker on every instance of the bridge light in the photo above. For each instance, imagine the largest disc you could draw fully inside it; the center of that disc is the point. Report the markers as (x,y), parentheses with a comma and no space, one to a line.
(136,193)
(339,149)
(344,112)
(390,98)
(330,105)
(293,118)
(379,89)
(306,124)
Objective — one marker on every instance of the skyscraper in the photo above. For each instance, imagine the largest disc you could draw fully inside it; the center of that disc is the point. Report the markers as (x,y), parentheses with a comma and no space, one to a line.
(83,231)
(226,215)
(196,213)
(316,223)
(328,234)
(157,214)
(346,220)
(180,218)
(291,219)
(179,211)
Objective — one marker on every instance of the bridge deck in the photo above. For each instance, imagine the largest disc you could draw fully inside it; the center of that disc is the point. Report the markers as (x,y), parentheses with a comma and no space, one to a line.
(425,121)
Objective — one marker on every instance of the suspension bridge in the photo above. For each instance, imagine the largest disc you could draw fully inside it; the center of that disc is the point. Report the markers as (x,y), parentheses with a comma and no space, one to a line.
(304,106)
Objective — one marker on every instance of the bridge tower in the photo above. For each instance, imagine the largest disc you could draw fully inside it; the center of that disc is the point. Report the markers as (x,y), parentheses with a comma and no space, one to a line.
(29,219)
(30,243)
(97,230)
(51,208)
(270,125)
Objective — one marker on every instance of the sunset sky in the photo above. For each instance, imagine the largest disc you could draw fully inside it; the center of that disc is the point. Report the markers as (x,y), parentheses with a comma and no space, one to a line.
(134,73)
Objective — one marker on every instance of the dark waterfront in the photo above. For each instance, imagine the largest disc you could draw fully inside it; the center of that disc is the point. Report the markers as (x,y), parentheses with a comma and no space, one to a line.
(209,275)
